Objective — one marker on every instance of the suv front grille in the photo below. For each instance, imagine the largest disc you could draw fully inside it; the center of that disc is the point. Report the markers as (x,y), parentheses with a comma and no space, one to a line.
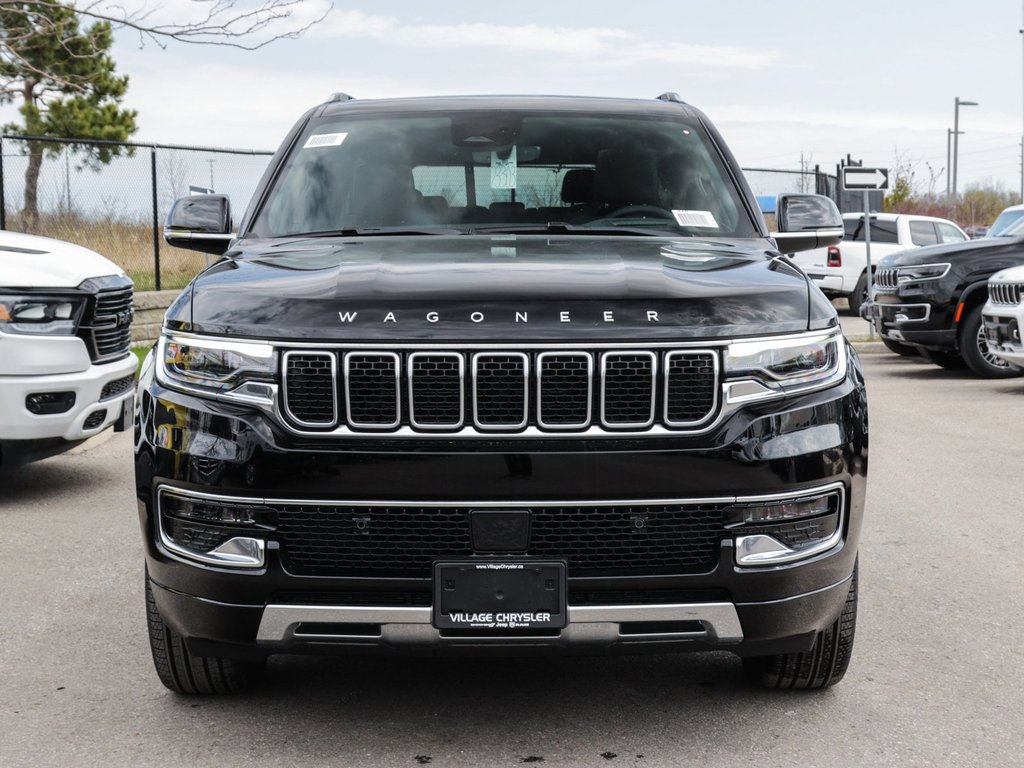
(107,329)
(396,541)
(497,391)
(1007,294)
(886,279)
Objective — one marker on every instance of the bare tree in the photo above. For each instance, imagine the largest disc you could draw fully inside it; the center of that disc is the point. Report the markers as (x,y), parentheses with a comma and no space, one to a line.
(245,24)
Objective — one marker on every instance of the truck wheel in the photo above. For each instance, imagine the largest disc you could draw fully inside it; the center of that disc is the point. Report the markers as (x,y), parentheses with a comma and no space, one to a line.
(976,352)
(859,295)
(900,349)
(182,672)
(951,361)
(821,667)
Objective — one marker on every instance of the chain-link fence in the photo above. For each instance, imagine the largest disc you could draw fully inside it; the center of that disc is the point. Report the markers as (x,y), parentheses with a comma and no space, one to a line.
(114,197)
(767,182)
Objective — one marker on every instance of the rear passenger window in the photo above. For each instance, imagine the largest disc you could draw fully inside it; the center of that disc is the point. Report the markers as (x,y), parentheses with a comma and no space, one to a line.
(923,233)
(950,234)
(881,231)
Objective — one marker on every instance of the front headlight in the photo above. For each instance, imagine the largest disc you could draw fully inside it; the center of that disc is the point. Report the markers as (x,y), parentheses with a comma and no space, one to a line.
(921,272)
(772,367)
(214,365)
(40,315)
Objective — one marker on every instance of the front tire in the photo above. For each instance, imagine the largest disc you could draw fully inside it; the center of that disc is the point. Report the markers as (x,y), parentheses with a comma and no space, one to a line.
(822,666)
(977,353)
(859,295)
(184,673)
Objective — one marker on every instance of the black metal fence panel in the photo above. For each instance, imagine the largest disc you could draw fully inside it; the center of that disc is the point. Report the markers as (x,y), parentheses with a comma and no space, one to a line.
(117,208)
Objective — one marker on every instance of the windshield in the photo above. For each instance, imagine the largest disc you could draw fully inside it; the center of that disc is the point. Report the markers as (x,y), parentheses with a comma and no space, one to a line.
(491,171)
(1006,224)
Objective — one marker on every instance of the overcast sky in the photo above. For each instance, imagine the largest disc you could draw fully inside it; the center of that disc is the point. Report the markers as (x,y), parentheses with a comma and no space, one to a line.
(870,78)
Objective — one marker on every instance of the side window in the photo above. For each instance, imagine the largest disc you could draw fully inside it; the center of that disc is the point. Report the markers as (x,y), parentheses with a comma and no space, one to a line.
(881,231)
(923,233)
(949,233)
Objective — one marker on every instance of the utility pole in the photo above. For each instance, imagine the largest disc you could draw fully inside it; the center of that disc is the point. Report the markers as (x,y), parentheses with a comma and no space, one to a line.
(957,103)
(1021,30)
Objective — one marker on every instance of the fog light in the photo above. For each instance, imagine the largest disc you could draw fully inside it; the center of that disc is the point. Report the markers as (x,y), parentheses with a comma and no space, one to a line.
(778,511)
(214,531)
(787,530)
(47,403)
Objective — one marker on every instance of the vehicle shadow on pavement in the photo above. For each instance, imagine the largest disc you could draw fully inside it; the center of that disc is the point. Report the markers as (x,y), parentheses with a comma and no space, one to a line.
(51,478)
(505,710)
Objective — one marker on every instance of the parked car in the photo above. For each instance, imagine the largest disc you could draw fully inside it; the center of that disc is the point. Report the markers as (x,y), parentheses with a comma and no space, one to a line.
(66,369)
(931,300)
(1006,220)
(1003,315)
(501,374)
(841,270)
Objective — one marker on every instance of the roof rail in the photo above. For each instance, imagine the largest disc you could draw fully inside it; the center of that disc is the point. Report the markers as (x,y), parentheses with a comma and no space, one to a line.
(671,96)
(339,96)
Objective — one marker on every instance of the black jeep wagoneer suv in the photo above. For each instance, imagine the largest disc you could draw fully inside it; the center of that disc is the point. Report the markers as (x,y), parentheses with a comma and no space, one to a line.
(507,375)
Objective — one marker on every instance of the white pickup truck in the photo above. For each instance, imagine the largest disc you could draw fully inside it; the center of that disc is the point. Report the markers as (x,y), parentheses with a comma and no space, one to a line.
(841,270)
(66,367)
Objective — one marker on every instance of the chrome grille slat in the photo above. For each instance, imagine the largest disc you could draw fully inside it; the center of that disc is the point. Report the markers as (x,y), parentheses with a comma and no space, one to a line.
(564,389)
(628,389)
(372,394)
(886,279)
(459,390)
(1006,294)
(500,384)
(691,391)
(310,386)
(436,390)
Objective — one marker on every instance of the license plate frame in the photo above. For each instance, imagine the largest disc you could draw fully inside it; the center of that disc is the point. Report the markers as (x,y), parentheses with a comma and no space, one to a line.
(500,596)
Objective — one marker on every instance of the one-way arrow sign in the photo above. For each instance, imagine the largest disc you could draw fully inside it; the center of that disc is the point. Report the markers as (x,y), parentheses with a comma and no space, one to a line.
(865,178)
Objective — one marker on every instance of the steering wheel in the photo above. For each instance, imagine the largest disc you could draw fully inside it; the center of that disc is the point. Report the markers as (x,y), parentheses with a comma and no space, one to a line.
(634,210)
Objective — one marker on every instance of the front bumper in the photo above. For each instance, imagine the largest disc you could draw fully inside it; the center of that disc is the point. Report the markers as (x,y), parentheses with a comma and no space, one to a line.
(1002,326)
(99,394)
(778,448)
(912,323)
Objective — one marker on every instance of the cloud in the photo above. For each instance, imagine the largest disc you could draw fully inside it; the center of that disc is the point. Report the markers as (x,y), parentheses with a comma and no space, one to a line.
(602,46)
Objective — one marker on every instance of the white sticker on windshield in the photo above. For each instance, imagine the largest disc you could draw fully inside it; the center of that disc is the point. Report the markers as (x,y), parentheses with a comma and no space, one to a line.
(503,171)
(696,219)
(324,140)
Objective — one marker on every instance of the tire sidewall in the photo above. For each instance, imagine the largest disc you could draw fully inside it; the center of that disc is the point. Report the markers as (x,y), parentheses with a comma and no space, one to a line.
(971,350)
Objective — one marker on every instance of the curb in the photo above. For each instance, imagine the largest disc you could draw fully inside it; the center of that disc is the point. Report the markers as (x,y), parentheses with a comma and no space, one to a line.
(869,347)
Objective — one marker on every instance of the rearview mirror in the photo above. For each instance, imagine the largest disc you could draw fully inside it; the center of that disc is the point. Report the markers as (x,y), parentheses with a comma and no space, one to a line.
(806,222)
(200,223)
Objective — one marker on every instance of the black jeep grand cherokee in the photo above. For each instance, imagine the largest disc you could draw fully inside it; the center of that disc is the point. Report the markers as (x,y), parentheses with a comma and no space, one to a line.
(929,300)
(501,374)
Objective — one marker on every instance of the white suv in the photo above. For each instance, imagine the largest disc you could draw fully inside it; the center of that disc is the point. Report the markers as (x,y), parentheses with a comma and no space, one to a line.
(841,270)
(1003,315)
(66,367)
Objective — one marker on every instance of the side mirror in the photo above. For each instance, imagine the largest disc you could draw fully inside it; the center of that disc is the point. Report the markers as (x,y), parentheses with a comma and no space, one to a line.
(806,222)
(200,223)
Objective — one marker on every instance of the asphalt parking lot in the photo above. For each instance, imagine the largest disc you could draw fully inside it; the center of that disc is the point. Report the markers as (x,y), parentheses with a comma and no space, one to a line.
(935,680)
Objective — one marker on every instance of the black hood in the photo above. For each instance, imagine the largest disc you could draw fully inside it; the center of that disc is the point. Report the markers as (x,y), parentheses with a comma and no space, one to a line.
(498,287)
(954,252)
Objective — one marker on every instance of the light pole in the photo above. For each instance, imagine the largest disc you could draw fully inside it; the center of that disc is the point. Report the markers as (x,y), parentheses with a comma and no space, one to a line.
(949,168)
(957,103)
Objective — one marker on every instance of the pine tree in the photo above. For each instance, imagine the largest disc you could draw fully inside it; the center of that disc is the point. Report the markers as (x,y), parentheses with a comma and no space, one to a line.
(65,83)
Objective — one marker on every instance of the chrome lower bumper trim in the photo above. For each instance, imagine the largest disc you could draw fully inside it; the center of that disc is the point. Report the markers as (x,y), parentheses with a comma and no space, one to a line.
(588,625)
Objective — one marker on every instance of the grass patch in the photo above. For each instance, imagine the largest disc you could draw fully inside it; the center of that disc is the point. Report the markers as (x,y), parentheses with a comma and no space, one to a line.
(127,243)
(140,351)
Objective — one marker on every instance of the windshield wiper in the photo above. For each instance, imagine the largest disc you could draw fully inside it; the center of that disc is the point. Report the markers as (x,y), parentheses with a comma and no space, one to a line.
(561,228)
(379,232)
